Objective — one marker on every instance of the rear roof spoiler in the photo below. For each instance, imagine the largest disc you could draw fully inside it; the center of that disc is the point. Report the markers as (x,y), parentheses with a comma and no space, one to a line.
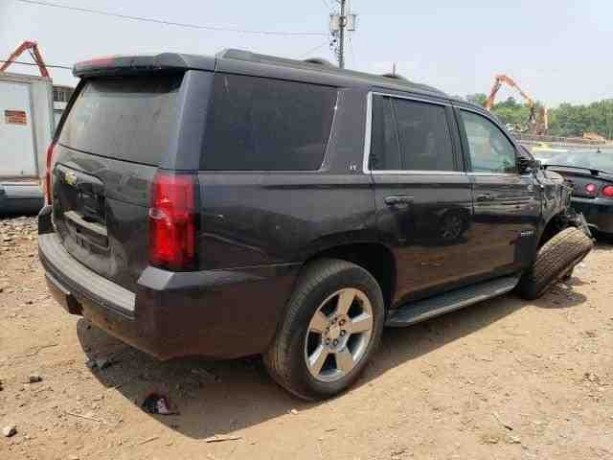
(121,65)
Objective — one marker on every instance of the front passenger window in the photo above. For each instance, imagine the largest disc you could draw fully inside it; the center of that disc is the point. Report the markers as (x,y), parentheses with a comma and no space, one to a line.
(490,150)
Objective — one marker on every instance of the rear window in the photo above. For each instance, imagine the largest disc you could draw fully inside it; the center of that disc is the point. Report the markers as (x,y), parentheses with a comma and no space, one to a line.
(128,119)
(259,124)
(589,160)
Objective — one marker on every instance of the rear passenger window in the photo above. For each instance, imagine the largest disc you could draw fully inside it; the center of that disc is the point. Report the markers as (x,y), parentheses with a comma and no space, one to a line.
(259,124)
(409,135)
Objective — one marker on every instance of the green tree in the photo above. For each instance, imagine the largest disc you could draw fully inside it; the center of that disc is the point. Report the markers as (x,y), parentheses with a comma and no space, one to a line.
(478,98)
(566,120)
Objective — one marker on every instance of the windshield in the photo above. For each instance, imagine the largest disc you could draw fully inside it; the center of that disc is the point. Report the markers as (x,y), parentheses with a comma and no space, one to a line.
(590,160)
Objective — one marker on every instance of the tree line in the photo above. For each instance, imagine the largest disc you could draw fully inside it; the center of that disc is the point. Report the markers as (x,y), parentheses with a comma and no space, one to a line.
(566,120)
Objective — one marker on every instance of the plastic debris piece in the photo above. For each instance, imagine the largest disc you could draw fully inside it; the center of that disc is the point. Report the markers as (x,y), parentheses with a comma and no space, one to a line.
(157,404)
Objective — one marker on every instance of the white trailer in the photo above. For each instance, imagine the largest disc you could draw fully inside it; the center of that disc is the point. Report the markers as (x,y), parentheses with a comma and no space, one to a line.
(26,129)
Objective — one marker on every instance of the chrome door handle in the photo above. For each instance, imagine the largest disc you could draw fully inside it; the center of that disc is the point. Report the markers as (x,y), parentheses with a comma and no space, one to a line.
(398,200)
(486,197)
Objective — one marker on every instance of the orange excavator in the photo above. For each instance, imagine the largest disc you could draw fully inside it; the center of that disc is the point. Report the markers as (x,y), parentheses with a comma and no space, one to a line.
(32,48)
(536,124)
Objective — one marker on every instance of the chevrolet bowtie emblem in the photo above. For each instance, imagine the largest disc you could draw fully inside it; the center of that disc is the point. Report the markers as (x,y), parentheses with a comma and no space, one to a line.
(70,178)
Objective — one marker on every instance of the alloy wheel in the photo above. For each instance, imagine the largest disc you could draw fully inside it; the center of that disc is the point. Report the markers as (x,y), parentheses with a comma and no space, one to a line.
(338,334)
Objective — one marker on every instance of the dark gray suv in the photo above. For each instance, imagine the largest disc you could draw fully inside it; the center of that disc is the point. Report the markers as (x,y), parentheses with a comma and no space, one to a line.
(245,204)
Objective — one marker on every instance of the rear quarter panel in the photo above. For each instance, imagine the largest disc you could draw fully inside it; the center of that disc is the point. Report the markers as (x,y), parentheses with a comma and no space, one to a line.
(250,219)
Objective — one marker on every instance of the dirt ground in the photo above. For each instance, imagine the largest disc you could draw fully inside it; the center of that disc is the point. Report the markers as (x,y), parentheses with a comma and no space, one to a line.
(505,379)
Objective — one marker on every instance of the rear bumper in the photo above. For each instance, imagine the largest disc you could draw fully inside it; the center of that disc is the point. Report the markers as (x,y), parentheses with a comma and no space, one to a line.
(216,314)
(597,211)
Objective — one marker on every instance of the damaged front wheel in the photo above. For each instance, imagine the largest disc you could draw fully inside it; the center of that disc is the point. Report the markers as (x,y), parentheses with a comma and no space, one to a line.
(554,260)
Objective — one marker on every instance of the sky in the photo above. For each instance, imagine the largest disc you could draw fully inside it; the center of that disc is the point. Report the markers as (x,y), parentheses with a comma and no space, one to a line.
(557,50)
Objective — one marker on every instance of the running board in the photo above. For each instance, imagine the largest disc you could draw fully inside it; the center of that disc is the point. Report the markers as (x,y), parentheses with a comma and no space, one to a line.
(422,310)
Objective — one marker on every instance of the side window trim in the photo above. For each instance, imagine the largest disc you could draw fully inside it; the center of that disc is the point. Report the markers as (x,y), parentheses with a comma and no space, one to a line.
(367,134)
(452,126)
(392,110)
(456,140)
(464,140)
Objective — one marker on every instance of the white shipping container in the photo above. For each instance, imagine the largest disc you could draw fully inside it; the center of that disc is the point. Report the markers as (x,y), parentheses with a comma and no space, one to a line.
(26,128)
(26,125)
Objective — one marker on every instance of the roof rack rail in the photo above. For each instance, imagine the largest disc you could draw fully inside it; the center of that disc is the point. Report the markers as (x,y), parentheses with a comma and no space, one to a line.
(319,61)
(255,57)
(327,69)
(395,76)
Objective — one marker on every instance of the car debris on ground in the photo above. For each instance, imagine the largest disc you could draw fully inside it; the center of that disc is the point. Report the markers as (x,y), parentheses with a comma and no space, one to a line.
(157,404)
(9,430)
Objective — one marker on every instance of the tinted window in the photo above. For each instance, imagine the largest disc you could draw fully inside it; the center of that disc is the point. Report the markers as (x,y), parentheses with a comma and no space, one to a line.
(128,119)
(410,135)
(267,125)
(490,150)
(384,147)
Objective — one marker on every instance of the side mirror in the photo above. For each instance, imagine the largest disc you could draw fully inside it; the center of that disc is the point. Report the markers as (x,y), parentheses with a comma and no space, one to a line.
(526,164)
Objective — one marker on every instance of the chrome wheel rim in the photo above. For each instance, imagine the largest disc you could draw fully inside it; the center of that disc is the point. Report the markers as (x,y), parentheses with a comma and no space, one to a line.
(338,335)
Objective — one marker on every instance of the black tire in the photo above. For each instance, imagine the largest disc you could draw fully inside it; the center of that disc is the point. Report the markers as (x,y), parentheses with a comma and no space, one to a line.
(285,359)
(556,258)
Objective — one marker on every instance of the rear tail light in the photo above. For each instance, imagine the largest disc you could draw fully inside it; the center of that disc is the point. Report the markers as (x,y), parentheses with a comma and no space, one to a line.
(607,191)
(48,186)
(591,189)
(172,223)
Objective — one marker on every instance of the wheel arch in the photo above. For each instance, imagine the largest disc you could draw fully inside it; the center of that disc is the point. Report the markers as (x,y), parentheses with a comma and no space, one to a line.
(374,257)
(555,224)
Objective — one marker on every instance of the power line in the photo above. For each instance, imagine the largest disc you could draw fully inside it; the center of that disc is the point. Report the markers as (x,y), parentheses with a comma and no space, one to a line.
(51,66)
(170,23)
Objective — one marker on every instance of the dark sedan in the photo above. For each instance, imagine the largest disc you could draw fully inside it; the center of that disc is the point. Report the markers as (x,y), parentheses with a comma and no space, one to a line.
(591,176)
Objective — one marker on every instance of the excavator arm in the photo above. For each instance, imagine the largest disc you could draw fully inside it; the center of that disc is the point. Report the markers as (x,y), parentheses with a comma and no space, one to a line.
(489,102)
(498,81)
(541,125)
(32,47)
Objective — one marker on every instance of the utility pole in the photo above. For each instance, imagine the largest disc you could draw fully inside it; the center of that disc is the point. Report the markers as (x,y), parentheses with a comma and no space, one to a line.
(340,23)
(341,45)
